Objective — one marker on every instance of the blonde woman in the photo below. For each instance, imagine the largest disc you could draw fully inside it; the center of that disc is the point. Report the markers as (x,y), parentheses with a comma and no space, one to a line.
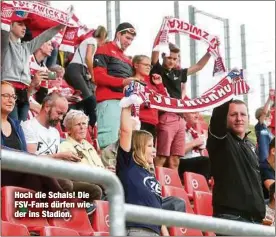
(134,159)
(148,117)
(76,124)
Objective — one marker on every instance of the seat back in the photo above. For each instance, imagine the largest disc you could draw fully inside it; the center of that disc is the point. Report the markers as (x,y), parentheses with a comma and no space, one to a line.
(12,204)
(180,193)
(57,231)
(194,182)
(100,217)
(168,176)
(12,229)
(203,203)
(76,218)
(182,231)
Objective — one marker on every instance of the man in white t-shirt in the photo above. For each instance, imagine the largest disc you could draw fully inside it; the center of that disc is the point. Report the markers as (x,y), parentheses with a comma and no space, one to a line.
(41,135)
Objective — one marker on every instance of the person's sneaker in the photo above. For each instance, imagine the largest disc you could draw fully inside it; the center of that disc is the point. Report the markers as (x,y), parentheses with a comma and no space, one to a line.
(91,209)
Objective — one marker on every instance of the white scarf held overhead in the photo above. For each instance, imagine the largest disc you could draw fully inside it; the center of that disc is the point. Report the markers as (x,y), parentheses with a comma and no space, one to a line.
(175,25)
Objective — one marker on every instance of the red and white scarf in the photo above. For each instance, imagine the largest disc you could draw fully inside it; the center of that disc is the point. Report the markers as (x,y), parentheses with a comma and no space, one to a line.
(195,135)
(175,25)
(42,17)
(229,86)
(16,10)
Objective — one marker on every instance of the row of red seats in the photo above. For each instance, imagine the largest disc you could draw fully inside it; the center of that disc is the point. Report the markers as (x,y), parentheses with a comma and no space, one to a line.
(192,181)
(202,206)
(79,221)
(11,229)
(195,189)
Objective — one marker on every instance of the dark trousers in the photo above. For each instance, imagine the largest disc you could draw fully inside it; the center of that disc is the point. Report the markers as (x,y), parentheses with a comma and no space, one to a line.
(20,111)
(74,76)
(235,218)
(88,106)
(149,128)
(200,165)
(35,182)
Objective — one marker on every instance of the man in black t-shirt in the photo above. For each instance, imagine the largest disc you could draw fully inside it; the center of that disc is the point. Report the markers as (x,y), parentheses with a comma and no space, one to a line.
(171,127)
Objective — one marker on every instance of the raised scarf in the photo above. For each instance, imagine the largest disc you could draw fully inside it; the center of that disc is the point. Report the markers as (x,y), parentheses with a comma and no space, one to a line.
(229,86)
(40,17)
(175,25)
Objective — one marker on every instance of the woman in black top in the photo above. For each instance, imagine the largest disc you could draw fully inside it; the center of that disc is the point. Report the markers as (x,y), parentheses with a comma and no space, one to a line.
(12,137)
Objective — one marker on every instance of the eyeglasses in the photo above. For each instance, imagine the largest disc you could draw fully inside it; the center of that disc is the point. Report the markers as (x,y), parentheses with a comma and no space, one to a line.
(8,96)
(130,30)
(146,65)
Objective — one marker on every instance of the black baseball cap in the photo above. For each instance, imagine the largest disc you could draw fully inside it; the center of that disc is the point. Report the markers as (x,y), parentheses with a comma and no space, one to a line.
(125,26)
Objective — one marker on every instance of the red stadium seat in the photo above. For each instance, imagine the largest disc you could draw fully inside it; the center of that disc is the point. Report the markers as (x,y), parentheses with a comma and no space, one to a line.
(168,176)
(57,231)
(11,229)
(182,231)
(203,203)
(180,193)
(203,206)
(194,182)
(100,217)
(9,209)
(78,221)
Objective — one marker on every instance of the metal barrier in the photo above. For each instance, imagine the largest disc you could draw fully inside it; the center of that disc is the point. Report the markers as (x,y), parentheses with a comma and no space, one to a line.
(119,212)
(23,162)
(156,216)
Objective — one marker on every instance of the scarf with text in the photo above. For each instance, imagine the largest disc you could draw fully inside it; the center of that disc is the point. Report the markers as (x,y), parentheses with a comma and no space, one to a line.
(229,86)
(39,17)
(33,10)
(175,25)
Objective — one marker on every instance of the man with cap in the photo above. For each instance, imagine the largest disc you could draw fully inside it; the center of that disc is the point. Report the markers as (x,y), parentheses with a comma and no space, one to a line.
(112,72)
(15,61)
(263,134)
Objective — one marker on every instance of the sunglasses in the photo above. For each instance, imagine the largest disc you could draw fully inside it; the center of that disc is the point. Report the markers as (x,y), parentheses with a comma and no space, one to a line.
(129,30)
(22,14)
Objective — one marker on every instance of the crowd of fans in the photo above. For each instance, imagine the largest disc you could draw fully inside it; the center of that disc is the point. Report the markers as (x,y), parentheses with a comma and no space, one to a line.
(70,110)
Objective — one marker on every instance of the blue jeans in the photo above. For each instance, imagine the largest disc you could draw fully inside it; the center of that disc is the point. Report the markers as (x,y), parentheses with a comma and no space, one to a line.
(20,111)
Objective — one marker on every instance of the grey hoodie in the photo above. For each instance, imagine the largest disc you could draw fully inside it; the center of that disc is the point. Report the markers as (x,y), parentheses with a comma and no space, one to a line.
(15,55)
